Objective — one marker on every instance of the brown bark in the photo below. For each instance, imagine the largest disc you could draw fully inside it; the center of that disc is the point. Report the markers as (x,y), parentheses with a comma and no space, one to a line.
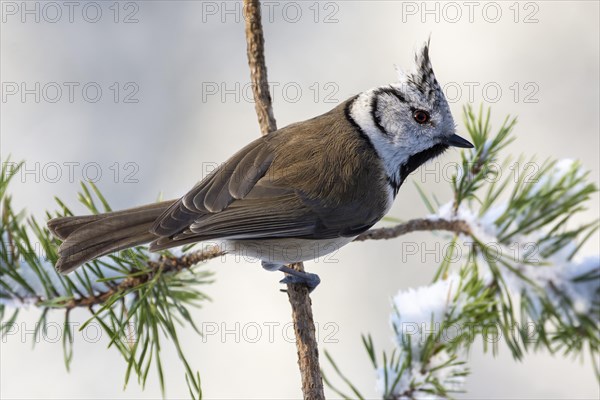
(304,326)
(258,67)
(164,264)
(414,225)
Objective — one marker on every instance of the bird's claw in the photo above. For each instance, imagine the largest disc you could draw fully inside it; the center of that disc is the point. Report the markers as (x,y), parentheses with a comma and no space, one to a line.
(311,281)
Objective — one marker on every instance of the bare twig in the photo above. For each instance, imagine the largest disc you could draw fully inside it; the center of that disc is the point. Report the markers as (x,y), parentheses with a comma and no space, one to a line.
(304,326)
(306,340)
(258,67)
(457,226)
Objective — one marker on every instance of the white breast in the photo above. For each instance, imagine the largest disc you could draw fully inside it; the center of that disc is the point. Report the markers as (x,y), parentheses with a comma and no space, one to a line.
(286,251)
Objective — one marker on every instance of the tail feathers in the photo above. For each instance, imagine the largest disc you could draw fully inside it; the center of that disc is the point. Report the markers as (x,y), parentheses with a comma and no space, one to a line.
(88,237)
(62,227)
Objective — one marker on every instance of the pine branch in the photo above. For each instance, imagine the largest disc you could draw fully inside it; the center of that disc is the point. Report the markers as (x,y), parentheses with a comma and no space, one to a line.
(416,225)
(135,299)
(165,264)
(258,68)
(521,281)
(304,327)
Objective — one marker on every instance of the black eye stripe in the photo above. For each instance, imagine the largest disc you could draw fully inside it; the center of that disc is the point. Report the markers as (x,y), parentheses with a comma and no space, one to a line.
(394,92)
(422,118)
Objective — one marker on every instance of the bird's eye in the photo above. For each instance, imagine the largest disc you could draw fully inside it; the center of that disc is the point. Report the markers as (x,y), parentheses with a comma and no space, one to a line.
(421,116)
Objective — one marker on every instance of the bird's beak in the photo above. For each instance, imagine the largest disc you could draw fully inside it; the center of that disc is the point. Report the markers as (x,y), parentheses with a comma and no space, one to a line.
(457,141)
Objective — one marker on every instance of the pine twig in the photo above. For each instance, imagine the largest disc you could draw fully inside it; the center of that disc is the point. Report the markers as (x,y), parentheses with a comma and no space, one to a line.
(415,225)
(164,264)
(258,67)
(306,340)
(304,327)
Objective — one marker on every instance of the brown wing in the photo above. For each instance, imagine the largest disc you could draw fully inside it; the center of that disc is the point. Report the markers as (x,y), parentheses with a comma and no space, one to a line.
(231,181)
(307,180)
(281,216)
(270,212)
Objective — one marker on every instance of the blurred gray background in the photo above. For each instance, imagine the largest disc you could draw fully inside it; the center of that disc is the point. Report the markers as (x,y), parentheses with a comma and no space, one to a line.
(175,101)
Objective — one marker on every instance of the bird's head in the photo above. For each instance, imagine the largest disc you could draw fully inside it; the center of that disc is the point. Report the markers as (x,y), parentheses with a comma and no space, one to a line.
(408,122)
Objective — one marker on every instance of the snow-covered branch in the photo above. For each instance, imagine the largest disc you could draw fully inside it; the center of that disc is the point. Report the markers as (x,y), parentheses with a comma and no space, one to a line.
(523,280)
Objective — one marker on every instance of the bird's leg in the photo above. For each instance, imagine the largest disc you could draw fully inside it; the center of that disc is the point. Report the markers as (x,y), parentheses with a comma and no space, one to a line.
(271,266)
(311,281)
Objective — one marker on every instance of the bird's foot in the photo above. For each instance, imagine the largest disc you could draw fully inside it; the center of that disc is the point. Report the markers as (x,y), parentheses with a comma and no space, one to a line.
(311,281)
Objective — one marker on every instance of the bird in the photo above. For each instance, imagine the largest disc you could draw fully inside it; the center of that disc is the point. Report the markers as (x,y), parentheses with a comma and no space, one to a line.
(295,194)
